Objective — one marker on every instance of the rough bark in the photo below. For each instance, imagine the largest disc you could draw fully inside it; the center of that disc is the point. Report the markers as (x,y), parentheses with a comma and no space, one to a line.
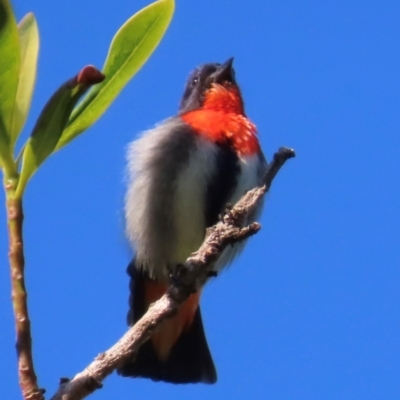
(185,280)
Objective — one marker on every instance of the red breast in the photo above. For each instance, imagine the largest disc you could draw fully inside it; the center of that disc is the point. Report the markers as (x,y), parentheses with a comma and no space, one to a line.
(222,120)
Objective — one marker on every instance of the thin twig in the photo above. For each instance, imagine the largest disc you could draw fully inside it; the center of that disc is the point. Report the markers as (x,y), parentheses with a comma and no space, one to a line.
(26,370)
(186,279)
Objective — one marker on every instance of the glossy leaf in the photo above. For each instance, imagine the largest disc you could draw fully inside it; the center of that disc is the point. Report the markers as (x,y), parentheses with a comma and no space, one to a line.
(52,122)
(129,50)
(9,72)
(29,46)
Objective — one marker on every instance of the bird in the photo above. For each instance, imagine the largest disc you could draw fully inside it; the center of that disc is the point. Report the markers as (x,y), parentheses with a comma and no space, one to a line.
(182,174)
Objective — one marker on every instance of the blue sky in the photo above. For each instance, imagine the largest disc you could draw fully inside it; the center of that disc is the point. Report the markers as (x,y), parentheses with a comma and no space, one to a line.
(311,308)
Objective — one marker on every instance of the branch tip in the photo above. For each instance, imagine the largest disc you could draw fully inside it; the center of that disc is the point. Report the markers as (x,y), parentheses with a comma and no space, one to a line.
(285,152)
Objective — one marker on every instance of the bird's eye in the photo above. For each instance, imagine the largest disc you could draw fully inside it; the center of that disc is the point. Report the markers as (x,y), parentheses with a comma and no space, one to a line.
(195,80)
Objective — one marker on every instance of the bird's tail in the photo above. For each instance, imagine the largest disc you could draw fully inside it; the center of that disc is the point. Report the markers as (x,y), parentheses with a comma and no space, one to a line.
(178,352)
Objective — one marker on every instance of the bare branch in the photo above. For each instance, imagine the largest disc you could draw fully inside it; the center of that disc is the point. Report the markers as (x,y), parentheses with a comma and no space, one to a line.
(186,279)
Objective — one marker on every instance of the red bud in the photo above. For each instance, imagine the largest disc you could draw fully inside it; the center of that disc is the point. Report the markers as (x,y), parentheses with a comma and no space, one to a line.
(90,75)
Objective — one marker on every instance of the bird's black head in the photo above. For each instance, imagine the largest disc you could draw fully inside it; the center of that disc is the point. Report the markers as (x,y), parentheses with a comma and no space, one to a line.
(201,79)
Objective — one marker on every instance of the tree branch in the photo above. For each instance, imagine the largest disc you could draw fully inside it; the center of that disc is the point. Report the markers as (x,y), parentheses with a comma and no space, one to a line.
(186,279)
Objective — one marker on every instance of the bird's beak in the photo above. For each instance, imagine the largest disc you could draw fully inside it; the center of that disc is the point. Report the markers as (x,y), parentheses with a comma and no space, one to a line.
(224,73)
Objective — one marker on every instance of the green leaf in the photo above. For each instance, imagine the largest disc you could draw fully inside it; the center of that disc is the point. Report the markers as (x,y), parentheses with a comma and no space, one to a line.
(6,158)
(52,122)
(29,44)
(9,71)
(130,48)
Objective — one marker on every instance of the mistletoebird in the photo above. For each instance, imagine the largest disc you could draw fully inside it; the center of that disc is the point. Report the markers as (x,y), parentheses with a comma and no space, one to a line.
(182,174)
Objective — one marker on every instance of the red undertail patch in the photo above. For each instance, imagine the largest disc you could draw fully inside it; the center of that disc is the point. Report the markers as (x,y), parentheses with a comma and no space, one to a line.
(165,338)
